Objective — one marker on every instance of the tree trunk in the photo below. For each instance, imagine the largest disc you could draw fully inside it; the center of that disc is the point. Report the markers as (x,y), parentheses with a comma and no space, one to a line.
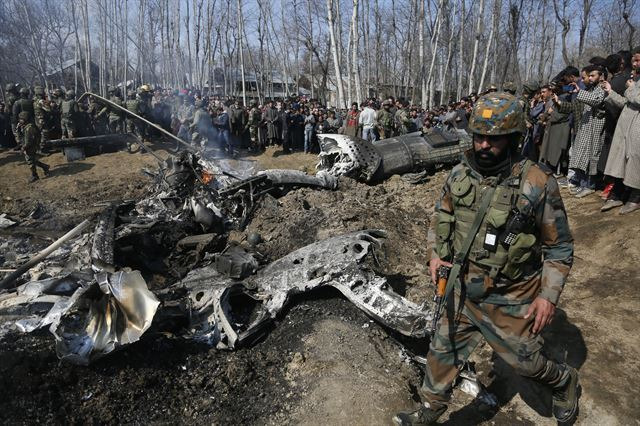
(476,42)
(241,47)
(355,43)
(497,4)
(334,51)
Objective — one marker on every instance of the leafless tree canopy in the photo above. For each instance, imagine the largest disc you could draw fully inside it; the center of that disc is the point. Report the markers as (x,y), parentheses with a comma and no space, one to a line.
(426,50)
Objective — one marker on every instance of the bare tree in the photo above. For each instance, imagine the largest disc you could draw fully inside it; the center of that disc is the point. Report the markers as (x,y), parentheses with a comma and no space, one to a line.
(563,20)
(334,51)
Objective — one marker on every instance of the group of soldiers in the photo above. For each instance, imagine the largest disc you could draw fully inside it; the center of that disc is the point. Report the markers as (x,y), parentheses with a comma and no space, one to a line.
(37,119)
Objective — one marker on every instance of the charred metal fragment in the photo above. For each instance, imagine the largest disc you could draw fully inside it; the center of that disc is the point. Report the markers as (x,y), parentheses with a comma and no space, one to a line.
(347,263)
(343,155)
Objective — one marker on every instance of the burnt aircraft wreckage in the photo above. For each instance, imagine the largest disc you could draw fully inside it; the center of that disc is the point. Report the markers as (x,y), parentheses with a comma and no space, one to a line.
(94,298)
(89,289)
(414,153)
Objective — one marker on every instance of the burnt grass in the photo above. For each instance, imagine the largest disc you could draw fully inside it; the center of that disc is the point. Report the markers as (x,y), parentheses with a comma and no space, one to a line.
(163,378)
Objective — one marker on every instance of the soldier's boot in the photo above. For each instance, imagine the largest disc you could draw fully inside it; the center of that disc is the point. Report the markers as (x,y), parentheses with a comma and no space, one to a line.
(34,174)
(423,416)
(565,398)
(45,168)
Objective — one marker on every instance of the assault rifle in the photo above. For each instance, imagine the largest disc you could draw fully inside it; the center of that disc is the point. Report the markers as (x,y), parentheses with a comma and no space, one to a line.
(442,276)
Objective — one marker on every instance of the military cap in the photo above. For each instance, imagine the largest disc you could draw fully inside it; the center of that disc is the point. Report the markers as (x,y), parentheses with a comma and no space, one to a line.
(497,114)
(510,87)
(24,115)
(530,87)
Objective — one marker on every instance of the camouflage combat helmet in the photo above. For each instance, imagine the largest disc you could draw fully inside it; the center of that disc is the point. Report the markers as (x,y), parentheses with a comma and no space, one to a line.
(144,88)
(497,114)
(38,90)
(24,115)
(510,87)
(58,93)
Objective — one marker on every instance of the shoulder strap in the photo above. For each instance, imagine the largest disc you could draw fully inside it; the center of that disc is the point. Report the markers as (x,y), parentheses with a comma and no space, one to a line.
(461,257)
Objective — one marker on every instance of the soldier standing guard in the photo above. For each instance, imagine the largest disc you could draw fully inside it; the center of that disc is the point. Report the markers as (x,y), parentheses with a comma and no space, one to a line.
(70,115)
(385,120)
(42,112)
(502,229)
(20,105)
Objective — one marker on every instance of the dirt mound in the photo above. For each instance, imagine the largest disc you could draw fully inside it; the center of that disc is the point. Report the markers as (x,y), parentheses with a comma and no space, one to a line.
(162,378)
(402,209)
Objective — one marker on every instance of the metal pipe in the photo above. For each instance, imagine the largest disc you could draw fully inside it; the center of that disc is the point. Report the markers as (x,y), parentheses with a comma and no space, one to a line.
(126,111)
(43,254)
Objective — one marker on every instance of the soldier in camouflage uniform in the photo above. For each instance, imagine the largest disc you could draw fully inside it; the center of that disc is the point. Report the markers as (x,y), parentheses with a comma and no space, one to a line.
(385,120)
(98,115)
(402,119)
(30,143)
(116,124)
(70,115)
(502,229)
(55,105)
(21,104)
(136,106)
(12,96)
(42,112)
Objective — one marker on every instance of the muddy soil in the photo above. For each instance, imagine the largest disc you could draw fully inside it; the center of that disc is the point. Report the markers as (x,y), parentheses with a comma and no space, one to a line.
(323,361)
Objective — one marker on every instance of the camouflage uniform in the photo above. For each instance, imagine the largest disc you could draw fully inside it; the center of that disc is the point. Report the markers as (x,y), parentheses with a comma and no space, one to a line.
(56,113)
(385,123)
(98,115)
(70,116)
(12,97)
(494,305)
(22,104)
(42,112)
(403,121)
(116,124)
(136,106)
(30,143)
(498,279)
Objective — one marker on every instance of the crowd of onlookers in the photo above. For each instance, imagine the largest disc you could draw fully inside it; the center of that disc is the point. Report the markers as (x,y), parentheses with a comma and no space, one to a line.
(583,124)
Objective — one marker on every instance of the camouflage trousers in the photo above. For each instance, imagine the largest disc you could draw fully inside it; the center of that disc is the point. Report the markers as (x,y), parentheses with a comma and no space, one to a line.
(68,128)
(505,330)
(32,160)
